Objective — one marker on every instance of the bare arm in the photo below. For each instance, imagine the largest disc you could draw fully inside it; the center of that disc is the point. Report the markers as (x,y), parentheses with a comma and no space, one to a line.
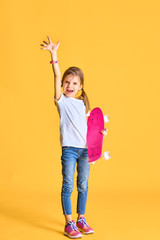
(57,74)
(57,77)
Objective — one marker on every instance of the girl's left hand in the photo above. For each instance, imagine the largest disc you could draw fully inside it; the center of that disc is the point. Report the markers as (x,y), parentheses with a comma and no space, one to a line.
(104,132)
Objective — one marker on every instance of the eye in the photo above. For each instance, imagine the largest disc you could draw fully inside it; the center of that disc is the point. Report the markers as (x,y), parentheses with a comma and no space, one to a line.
(75,83)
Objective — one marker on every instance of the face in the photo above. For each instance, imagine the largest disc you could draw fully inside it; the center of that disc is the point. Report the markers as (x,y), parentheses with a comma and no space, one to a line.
(71,85)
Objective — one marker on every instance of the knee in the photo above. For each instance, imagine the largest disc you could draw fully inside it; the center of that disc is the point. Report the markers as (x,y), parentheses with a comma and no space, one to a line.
(67,190)
(82,187)
(67,187)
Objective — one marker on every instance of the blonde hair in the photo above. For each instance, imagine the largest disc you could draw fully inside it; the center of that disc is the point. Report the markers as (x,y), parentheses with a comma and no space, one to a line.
(77,71)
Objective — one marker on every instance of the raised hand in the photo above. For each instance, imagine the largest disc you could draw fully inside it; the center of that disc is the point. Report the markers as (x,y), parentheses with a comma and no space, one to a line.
(50,46)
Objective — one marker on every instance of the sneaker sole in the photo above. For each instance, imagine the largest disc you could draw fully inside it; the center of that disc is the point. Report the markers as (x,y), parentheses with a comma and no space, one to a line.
(85,232)
(66,234)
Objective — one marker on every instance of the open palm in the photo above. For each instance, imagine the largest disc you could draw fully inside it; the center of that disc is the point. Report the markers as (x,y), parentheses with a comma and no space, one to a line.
(50,46)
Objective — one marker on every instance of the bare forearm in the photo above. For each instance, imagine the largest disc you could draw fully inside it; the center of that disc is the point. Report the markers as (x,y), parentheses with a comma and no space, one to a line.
(55,66)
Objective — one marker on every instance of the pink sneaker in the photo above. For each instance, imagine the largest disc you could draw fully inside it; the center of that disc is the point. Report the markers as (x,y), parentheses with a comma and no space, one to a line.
(71,230)
(83,226)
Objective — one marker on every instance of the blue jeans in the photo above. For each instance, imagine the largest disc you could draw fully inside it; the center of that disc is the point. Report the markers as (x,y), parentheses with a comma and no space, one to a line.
(71,156)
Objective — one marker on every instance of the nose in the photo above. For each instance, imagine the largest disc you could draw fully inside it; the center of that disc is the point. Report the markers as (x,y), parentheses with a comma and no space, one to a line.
(69,84)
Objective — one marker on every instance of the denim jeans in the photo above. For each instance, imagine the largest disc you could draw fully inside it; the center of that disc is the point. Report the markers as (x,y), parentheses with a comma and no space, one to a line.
(71,156)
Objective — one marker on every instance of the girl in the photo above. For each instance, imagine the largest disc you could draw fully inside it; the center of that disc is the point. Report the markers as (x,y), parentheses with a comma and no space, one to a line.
(73,114)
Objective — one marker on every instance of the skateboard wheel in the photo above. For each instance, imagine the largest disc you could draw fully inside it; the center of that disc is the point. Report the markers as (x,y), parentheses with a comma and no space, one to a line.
(106,155)
(106,118)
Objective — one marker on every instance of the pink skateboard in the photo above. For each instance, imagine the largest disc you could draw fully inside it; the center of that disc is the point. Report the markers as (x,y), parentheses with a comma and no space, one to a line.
(95,125)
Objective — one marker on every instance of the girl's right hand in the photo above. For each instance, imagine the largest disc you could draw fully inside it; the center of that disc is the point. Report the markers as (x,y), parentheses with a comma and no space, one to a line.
(50,46)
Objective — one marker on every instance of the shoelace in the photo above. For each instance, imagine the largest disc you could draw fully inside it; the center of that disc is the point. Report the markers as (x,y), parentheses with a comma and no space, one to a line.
(73,226)
(83,221)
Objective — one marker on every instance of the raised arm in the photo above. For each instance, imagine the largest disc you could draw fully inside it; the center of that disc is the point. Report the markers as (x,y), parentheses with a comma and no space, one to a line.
(52,48)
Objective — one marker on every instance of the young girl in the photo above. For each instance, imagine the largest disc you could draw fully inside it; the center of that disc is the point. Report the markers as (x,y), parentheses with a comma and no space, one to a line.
(73,114)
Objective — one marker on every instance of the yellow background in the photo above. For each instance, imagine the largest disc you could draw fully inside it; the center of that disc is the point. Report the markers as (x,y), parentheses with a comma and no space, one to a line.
(117,45)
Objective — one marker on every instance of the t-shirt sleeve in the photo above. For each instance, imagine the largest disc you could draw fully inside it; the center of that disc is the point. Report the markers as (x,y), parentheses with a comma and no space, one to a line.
(88,114)
(59,100)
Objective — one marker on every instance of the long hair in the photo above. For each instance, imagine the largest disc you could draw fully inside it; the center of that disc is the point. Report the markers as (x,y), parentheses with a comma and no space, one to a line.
(77,71)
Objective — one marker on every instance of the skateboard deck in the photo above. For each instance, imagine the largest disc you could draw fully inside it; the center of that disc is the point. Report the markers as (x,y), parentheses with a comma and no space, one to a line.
(95,124)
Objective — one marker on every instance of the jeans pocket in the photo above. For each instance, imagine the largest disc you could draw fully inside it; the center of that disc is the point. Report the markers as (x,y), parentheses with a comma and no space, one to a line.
(85,153)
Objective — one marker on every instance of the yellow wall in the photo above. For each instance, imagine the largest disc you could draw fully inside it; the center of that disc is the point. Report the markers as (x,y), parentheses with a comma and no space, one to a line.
(117,45)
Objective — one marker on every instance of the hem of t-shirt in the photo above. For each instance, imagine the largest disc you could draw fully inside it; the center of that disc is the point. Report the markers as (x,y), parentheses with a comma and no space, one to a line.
(73,146)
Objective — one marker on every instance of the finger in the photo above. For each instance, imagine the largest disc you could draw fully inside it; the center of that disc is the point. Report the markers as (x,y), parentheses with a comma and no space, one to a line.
(45,42)
(49,39)
(58,43)
(43,45)
(104,132)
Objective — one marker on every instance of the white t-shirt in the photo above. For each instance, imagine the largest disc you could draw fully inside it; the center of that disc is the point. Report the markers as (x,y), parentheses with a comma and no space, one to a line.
(73,121)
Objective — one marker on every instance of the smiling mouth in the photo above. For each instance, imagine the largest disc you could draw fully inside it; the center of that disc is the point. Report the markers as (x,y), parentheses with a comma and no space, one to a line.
(70,91)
